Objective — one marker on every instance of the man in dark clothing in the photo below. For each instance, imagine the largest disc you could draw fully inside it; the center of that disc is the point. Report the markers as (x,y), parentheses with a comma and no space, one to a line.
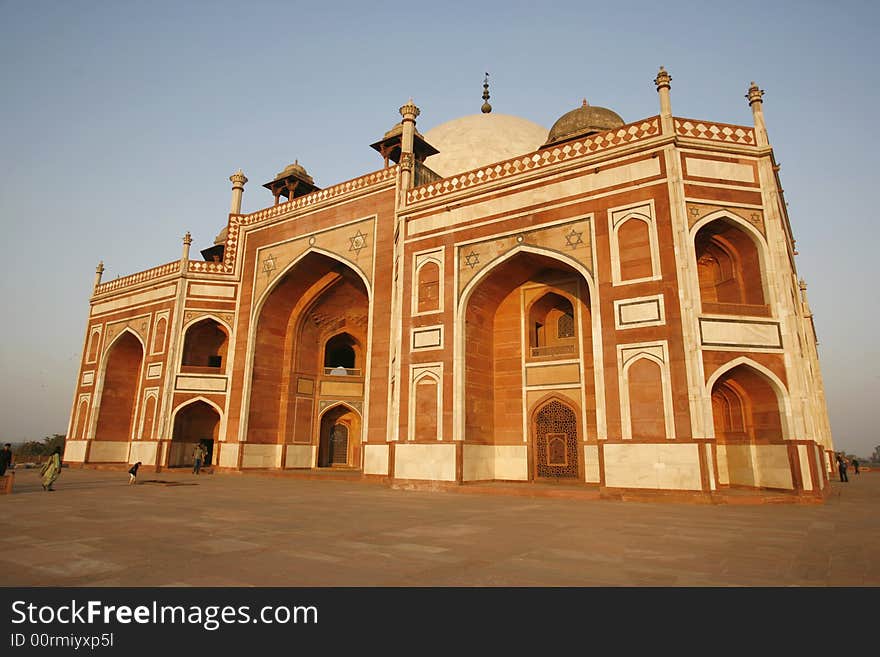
(856,466)
(841,467)
(5,458)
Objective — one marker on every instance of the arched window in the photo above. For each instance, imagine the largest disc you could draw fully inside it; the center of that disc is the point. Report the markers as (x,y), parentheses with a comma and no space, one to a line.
(551,326)
(205,345)
(339,354)
(729,270)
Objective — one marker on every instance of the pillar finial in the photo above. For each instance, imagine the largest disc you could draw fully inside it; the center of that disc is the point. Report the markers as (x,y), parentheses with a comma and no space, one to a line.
(755,95)
(486,108)
(756,102)
(100,268)
(663,79)
(238,180)
(409,111)
(187,239)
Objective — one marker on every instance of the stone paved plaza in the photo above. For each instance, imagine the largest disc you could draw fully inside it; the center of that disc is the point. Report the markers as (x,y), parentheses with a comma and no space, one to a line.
(177,529)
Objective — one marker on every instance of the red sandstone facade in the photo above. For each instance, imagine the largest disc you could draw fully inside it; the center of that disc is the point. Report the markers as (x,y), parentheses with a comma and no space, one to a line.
(619,308)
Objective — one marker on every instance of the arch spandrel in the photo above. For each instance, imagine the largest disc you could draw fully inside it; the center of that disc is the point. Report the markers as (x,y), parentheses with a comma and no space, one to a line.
(137,325)
(353,244)
(572,239)
(696,212)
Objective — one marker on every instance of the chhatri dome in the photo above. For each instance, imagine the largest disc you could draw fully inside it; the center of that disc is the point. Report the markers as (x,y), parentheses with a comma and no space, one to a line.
(585,120)
(477,140)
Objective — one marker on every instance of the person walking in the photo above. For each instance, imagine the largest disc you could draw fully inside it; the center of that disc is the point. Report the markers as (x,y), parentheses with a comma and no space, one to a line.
(133,473)
(51,469)
(856,466)
(5,458)
(198,457)
(841,468)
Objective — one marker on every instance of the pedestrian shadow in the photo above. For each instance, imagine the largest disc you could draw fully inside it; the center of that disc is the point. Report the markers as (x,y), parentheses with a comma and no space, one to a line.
(163,482)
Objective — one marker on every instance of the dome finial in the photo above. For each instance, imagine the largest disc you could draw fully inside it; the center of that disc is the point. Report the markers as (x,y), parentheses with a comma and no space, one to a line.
(486,108)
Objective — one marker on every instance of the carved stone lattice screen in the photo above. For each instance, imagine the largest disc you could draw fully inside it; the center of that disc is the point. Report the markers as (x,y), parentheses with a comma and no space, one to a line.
(556,442)
(565,326)
(339,445)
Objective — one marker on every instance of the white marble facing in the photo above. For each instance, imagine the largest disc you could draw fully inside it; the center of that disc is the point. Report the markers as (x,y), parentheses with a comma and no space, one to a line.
(488,462)
(201,383)
(591,464)
(134,299)
(511,203)
(755,465)
(639,312)
(300,456)
(261,456)
(88,378)
(376,459)
(817,454)
(154,370)
(656,466)
(746,334)
(75,451)
(427,337)
(205,290)
(722,170)
(478,462)
(804,459)
(430,462)
(143,451)
(511,462)
(229,455)
(108,451)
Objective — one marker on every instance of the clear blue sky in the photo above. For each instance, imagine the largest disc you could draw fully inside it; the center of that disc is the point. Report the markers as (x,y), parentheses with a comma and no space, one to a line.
(122,121)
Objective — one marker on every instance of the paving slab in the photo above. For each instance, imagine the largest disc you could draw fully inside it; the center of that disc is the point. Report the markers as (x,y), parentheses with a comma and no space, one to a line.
(179,529)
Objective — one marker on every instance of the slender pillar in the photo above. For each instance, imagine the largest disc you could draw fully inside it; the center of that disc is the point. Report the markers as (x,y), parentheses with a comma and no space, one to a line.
(662,82)
(238,180)
(409,112)
(755,97)
(184,258)
(98,271)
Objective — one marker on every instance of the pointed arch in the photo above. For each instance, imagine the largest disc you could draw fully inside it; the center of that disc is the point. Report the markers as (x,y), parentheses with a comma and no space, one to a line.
(630,356)
(121,406)
(637,253)
(555,438)
(257,308)
(728,264)
(428,280)
(458,406)
(201,346)
(192,400)
(337,404)
(775,382)
(186,431)
(257,314)
(425,419)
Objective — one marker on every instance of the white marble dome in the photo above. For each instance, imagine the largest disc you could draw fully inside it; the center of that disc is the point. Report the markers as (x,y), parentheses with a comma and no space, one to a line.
(474,141)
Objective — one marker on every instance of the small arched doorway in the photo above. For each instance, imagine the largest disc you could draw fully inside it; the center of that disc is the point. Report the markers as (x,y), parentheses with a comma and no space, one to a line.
(749,429)
(196,423)
(555,442)
(339,439)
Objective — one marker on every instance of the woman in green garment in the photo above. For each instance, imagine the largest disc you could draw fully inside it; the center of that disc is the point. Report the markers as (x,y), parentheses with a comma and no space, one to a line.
(51,469)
